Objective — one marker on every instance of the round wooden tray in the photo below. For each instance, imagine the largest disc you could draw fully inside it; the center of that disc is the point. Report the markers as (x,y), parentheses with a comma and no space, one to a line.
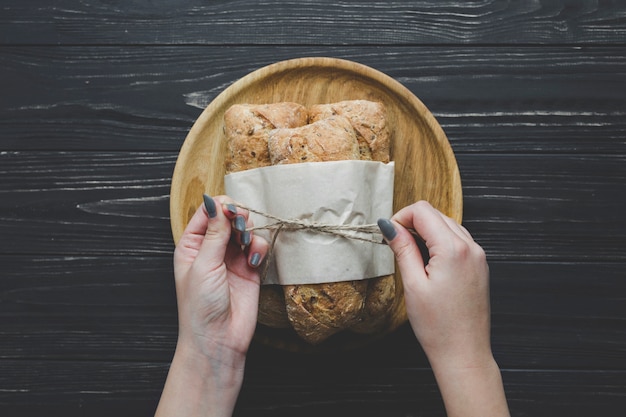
(425,166)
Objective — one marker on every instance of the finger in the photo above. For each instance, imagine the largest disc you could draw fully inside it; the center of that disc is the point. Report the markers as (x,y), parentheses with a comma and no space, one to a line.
(404,247)
(240,229)
(428,222)
(257,251)
(253,255)
(191,240)
(216,236)
(244,238)
(239,217)
(231,208)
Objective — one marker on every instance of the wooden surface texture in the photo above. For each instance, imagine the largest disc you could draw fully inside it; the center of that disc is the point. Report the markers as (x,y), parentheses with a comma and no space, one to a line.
(97,97)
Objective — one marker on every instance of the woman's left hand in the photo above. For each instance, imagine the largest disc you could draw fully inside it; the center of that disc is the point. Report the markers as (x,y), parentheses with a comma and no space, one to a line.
(217,288)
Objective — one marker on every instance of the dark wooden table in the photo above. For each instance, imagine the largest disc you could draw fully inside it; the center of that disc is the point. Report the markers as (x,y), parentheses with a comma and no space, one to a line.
(96,98)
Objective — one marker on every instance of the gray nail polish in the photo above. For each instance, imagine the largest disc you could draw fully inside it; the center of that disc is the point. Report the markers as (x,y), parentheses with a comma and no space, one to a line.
(387,229)
(255,259)
(246,238)
(209,204)
(240,223)
(232,208)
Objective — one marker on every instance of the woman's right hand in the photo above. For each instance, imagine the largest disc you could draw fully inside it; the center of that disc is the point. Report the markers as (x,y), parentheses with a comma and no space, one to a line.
(447,302)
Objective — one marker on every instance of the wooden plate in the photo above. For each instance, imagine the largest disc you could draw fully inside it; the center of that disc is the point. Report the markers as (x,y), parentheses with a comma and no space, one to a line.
(425,166)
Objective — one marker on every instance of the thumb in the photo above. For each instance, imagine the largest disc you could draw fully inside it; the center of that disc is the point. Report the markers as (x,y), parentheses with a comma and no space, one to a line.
(404,247)
(216,237)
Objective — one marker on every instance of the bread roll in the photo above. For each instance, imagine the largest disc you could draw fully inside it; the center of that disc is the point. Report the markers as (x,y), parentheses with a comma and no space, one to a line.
(246,131)
(317,311)
(306,325)
(247,126)
(338,305)
(261,135)
(379,300)
(369,121)
(272,308)
(331,139)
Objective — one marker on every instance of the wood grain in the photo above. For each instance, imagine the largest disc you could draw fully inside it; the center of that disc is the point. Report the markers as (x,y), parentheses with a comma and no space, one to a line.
(56,202)
(506,99)
(564,207)
(416,134)
(312,22)
(568,207)
(545,315)
(132,389)
(98,96)
(425,166)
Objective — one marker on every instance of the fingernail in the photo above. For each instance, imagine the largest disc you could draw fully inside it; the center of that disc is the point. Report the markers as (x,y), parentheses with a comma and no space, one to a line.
(209,203)
(232,208)
(255,259)
(240,223)
(246,237)
(387,229)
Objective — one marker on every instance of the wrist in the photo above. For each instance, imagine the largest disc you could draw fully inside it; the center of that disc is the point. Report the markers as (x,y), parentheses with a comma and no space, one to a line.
(210,349)
(201,385)
(472,388)
(216,364)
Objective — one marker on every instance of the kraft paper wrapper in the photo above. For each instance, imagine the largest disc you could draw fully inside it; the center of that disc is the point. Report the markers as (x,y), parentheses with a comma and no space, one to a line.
(336,192)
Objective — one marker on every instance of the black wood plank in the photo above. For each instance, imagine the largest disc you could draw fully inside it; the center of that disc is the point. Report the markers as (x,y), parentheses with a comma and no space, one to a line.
(550,207)
(413,392)
(72,388)
(538,207)
(97,97)
(34,388)
(80,308)
(555,314)
(311,22)
(77,203)
(545,315)
(487,99)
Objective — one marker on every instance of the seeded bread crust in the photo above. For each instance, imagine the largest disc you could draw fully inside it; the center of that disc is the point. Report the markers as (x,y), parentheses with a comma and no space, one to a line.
(247,127)
(331,139)
(246,130)
(369,121)
(350,130)
(317,311)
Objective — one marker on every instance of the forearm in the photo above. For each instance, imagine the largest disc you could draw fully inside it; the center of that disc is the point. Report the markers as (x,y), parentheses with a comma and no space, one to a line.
(198,386)
(472,391)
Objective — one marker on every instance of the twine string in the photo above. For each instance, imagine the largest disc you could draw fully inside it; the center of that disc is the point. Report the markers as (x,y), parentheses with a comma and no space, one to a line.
(347,231)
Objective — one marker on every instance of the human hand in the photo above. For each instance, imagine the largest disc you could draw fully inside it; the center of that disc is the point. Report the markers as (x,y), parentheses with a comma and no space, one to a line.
(447,300)
(447,303)
(217,284)
(217,288)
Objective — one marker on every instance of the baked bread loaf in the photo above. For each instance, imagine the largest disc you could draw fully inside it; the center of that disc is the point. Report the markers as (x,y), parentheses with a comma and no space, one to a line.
(379,300)
(272,308)
(331,139)
(246,127)
(246,130)
(316,311)
(369,121)
(350,130)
